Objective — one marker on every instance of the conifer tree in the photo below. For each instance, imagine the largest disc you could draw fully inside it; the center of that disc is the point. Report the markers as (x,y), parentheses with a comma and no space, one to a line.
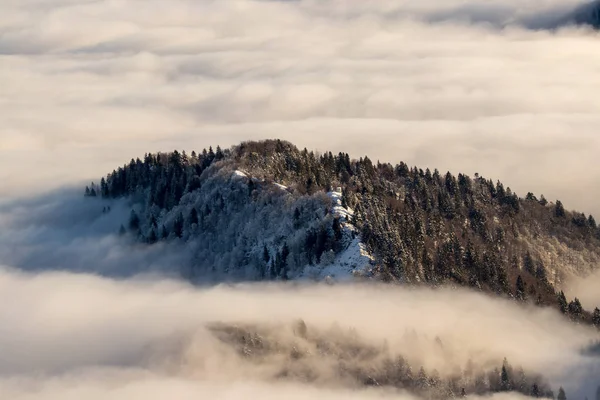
(337,229)
(575,309)
(562,302)
(504,385)
(219,154)
(266,256)
(193,216)
(134,221)
(178,225)
(152,238)
(504,377)
(596,319)
(528,263)
(561,394)
(535,390)
(103,188)
(520,289)
(559,209)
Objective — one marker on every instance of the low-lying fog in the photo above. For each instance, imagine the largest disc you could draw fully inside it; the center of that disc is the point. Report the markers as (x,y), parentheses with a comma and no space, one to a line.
(66,335)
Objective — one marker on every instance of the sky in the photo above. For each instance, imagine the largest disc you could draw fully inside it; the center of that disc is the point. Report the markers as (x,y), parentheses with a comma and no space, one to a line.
(493,87)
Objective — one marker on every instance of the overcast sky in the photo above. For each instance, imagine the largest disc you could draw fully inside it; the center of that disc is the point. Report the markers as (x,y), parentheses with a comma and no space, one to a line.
(464,85)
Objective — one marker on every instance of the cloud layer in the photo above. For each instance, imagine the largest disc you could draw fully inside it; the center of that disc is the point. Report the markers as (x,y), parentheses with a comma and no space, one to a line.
(466,86)
(80,335)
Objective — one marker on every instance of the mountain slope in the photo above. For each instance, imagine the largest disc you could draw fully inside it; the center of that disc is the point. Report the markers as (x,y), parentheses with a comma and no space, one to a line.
(268,210)
(587,14)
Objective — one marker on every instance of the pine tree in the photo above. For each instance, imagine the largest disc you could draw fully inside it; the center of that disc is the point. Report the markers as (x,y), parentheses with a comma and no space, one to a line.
(103,188)
(559,209)
(422,380)
(152,238)
(122,230)
(178,225)
(219,154)
(337,229)
(134,221)
(470,258)
(285,252)
(345,198)
(296,218)
(504,377)
(562,302)
(520,289)
(540,272)
(528,263)
(193,216)
(598,393)
(561,394)
(531,197)
(575,309)
(275,265)
(596,319)
(535,390)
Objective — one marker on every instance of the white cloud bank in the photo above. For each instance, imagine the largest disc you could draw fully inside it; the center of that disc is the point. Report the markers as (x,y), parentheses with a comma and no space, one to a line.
(67,336)
(85,86)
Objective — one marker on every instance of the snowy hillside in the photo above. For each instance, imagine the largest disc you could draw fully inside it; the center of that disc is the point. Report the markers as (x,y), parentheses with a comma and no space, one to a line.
(237,226)
(353,261)
(270,211)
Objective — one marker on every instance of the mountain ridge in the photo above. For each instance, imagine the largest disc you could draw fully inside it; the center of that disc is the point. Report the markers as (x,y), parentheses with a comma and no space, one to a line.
(268,210)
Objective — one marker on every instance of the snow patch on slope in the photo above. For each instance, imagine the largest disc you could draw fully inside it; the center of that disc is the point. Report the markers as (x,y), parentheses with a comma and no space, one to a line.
(354,261)
(345,214)
(280,186)
(239,174)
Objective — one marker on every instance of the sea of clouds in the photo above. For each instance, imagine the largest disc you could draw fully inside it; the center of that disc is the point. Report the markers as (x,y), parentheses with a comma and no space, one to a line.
(68,335)
(495,87)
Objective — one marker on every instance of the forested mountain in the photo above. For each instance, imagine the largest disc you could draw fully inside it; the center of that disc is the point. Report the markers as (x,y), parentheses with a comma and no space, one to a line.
(588,14)
(268,210)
